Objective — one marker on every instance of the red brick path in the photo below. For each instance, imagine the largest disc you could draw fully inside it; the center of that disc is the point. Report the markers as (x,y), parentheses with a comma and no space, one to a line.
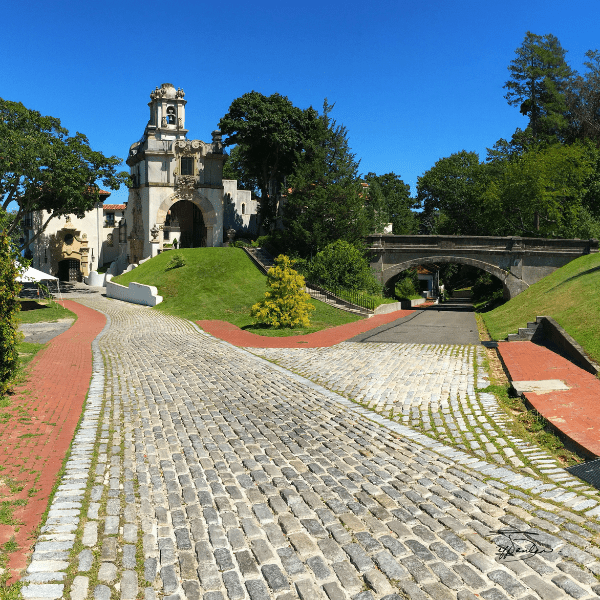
(575,412)
(321,339)
(44,413)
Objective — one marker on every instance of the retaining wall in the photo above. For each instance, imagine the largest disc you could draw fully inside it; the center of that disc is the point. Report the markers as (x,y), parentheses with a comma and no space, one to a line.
(136,293)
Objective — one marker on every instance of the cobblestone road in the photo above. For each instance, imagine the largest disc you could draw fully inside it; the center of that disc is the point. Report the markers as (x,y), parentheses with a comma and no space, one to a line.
(202,471)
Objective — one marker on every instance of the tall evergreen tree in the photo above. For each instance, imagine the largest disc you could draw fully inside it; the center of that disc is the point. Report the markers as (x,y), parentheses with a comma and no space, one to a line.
(325,200)
(391,202)
(583,99)
(539,77)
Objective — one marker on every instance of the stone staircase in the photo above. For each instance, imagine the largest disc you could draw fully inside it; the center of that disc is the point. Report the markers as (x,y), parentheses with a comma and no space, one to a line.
(525,334)
(264,261)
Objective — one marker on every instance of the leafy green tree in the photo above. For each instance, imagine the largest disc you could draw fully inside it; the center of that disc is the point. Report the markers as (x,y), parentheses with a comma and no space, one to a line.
(325,200)
(540,194)
(451,196)
(43,168)
(342,264)
(286,304)
(234,169)
(268,132)
(391,202)
(9,308)
(539,77)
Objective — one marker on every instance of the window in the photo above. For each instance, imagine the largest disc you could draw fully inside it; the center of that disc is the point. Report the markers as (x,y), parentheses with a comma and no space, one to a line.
(187,165)
(171,115)
(109,220)
(243,208)
(122,232)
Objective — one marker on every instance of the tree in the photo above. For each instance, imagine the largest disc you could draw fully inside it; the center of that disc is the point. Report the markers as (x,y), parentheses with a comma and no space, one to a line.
(583,101)
(451,195)
(269,132)
(540,194)
(390,198)
(344,265)
(9,309)
(286,304)
(539,79)
(43,168)
(325,200)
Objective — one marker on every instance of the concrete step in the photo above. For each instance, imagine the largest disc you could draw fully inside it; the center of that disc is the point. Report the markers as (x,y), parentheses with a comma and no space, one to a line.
(527,331)
(515,337)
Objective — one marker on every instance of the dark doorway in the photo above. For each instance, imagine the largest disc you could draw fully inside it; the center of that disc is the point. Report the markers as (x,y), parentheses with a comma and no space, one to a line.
(69,270)
(187,217)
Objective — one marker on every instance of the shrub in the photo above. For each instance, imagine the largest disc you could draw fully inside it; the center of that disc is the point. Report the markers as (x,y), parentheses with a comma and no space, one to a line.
(175,262)
(407,287)
(344,265)
(9,310)
(285,304)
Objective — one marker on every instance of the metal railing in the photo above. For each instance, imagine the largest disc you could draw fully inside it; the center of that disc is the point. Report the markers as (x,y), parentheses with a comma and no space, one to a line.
(338,293)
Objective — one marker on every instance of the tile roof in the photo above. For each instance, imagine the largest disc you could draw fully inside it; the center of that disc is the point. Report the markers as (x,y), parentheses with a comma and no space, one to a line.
(114,206)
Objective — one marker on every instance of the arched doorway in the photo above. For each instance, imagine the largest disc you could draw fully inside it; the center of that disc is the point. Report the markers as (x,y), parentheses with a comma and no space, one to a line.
(184,222)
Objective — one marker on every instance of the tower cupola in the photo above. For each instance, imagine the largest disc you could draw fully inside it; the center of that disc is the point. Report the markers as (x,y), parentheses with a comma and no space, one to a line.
(167,113)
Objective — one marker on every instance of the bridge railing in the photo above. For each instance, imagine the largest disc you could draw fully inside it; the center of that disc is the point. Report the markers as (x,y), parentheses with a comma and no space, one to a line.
(457,242)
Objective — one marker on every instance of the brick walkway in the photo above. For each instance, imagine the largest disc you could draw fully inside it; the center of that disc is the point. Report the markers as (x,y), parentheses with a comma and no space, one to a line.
(321,339)
(43,415)
(574,412)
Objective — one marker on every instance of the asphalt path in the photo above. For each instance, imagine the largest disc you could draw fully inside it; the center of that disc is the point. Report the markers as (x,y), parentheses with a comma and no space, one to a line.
(452,322)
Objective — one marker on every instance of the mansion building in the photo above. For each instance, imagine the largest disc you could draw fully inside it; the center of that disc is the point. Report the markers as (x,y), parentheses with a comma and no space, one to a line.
(178,197)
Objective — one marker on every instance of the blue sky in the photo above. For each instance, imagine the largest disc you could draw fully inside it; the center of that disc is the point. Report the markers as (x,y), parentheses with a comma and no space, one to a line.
(412,81)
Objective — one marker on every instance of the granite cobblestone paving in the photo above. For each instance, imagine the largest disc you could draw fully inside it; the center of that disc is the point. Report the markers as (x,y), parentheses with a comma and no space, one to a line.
(203,472)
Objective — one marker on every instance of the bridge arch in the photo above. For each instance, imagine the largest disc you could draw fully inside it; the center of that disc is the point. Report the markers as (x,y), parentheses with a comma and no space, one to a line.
(512,285)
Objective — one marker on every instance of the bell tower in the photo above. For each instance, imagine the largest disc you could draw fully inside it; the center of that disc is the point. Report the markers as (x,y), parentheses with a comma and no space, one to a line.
(167,113)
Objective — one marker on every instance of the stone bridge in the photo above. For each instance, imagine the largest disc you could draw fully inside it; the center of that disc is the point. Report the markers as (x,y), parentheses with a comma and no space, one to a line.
(517,261)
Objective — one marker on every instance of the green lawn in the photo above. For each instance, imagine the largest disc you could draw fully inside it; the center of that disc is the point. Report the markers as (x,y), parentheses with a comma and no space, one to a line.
(43,312)
(570,295)
(220,283)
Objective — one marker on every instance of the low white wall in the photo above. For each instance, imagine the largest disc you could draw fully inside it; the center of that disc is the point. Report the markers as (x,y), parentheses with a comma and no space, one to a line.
(95,279)
(136,293)
(384,309)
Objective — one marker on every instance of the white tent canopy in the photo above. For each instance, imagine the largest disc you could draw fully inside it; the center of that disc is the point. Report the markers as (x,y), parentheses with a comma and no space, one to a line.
(31,275)
(34,276)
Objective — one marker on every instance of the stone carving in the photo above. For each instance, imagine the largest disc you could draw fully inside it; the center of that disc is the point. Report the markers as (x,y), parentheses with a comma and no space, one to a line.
(163,122)
(185,186)
(180,93)
(180,123)
(136,237)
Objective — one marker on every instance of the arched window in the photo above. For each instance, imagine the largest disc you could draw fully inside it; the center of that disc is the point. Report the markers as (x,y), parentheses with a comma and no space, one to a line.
(171,115)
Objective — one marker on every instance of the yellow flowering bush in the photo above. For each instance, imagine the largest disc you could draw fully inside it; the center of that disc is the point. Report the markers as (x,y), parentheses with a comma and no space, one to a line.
(285,304)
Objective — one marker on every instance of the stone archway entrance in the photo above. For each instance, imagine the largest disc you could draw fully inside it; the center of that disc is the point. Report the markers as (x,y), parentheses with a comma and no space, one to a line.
(184,221)
(192,219)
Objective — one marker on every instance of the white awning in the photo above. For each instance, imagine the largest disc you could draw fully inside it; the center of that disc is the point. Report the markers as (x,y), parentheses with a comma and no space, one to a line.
(33,275)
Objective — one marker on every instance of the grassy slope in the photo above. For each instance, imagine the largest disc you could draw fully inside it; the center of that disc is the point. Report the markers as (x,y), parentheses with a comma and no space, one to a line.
(219,283)
(570,295)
